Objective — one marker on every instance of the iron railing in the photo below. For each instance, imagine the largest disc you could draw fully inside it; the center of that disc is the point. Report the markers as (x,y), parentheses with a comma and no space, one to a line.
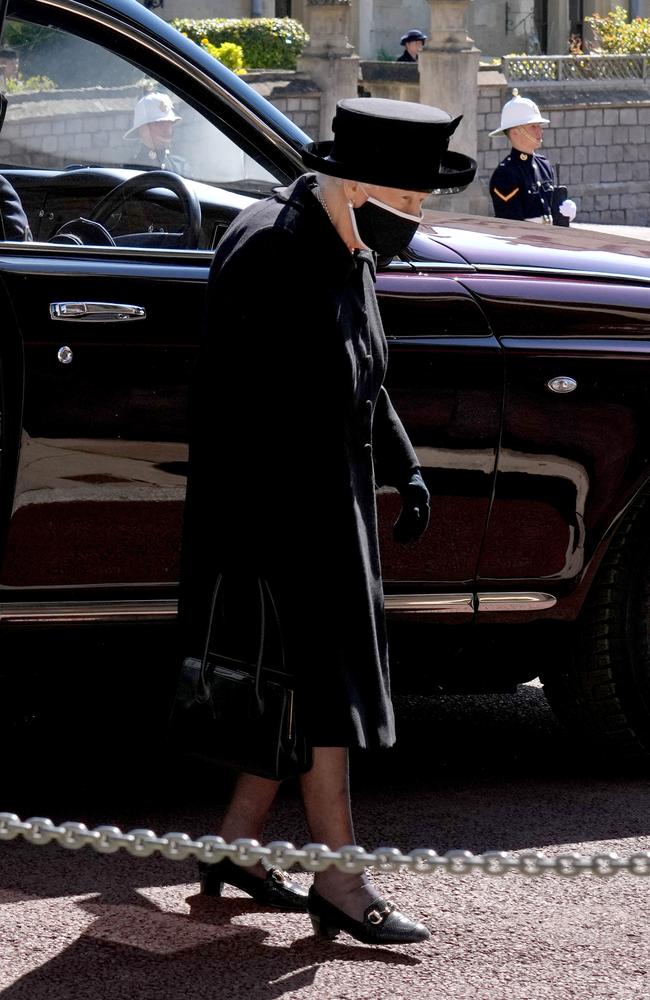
(580,68)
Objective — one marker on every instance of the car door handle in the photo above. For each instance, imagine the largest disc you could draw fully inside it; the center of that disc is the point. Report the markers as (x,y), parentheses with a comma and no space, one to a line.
(96,312)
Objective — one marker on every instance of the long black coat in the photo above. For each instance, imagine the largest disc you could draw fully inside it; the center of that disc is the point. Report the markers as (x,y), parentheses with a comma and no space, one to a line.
(13,221)
(291,432)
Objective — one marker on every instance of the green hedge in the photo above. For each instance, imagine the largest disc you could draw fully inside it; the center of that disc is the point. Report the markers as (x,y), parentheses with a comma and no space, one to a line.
(268,42)
(26,37)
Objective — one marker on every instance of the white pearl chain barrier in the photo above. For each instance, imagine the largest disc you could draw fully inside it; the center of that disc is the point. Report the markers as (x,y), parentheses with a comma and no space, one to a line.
(316,857)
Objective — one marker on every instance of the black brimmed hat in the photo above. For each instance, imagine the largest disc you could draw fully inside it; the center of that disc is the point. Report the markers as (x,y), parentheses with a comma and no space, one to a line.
(393,144)
(412,36)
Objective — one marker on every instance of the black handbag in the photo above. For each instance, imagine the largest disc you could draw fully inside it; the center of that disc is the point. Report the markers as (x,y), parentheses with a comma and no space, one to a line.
(236,710)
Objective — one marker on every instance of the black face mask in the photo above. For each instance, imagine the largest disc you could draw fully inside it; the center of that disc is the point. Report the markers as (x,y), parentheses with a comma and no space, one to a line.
(383,228)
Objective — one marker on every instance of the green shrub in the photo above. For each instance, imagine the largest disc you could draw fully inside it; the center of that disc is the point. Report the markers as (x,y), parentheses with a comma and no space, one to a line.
(616,35)
(268,42)
(18,84)
(228,53)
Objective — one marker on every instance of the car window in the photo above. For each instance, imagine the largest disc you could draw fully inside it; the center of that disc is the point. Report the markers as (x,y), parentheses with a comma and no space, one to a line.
(81,121)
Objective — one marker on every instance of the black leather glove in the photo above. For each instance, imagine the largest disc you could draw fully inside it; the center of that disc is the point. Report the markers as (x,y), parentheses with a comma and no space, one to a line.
(414,516)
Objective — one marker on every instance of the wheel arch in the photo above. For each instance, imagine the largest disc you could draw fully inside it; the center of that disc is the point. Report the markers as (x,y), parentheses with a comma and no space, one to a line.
(601,686)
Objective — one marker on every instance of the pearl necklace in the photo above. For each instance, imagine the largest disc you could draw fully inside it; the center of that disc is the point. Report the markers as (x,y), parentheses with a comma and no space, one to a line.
(324,205)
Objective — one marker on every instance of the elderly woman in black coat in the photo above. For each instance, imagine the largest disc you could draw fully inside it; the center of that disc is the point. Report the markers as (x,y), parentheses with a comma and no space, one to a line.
(292,431)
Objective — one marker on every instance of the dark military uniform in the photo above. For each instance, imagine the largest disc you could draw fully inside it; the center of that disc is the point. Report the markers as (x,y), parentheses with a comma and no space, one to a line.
(152,159)
(522,187)
(405,57)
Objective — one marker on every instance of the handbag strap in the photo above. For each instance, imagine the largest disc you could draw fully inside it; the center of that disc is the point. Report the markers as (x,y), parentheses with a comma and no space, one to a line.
(276,618)
(265,594)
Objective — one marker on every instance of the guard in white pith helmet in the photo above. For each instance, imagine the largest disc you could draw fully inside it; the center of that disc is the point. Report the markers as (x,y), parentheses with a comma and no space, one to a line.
(524,185)
(154,120)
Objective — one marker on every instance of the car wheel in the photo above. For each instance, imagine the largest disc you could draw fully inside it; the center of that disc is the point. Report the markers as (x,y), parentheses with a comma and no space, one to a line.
(603,691)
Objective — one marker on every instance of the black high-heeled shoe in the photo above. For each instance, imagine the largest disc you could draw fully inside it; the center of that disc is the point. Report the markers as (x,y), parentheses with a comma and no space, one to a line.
(381,924)
(274,890)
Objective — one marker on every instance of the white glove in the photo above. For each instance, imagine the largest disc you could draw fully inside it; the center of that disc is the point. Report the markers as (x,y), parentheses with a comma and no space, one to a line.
(568,208)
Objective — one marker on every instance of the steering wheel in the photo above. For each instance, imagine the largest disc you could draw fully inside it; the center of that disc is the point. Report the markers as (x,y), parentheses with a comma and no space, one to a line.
(148,179)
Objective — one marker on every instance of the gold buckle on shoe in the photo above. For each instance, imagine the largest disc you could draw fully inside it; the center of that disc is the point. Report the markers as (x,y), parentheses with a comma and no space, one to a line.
(378,916)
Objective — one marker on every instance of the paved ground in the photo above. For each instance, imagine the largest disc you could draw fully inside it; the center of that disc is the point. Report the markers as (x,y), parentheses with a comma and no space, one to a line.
(481,773)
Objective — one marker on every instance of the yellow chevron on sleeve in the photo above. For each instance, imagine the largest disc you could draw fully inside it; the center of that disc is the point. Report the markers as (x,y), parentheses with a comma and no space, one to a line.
(506,197)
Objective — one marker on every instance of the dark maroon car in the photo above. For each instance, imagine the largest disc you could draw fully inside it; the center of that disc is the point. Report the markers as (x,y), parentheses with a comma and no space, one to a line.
(517,363)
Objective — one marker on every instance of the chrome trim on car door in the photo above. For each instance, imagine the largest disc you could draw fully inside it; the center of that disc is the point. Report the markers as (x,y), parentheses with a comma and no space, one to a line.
(118,612)
(418,266)
(426,604)
(78,612)
(115,612)
(190,260)
(515,601)
(548,270)
(96,312)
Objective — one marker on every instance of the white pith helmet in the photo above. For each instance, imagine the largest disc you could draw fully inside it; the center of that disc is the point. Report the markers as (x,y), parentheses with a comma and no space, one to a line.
(154,107)
(519,111)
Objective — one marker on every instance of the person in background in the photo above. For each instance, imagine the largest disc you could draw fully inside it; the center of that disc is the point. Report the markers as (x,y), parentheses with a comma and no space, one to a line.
(413,42)
(524,184)
(154,120)
(291,433)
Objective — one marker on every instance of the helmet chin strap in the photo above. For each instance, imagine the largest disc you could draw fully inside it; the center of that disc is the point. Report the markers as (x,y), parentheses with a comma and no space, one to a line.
(533,138)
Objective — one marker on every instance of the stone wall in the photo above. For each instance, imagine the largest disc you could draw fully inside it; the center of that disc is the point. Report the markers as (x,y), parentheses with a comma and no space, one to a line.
(215,8)
(295,97)
(498,28)
(56,129)
(59,128)
(396,81)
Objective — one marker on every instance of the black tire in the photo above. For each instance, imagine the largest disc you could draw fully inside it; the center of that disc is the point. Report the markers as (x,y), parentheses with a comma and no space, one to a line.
(602,692)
